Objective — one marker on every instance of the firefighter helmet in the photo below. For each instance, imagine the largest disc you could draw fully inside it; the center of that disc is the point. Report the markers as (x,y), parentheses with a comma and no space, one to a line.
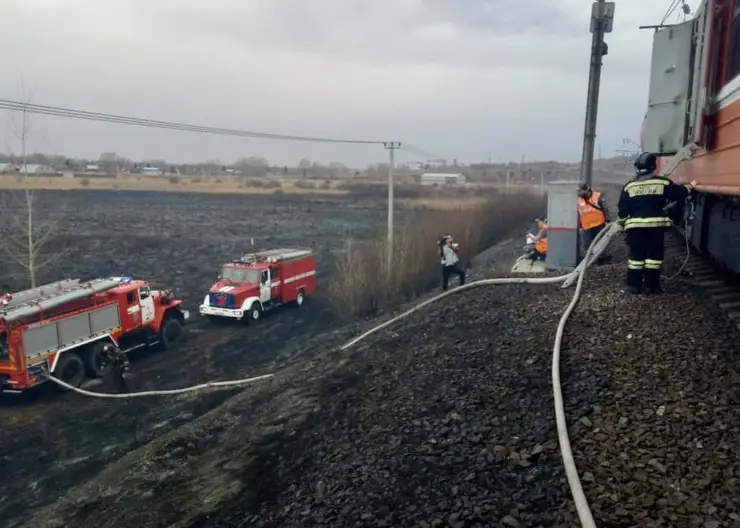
(583,186)
(645,163)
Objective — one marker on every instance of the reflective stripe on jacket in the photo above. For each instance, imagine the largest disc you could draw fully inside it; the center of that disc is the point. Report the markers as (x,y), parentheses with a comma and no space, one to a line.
(590,212)
(642,201)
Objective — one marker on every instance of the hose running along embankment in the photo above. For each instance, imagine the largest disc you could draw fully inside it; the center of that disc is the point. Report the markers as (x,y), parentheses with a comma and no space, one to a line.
(596,248)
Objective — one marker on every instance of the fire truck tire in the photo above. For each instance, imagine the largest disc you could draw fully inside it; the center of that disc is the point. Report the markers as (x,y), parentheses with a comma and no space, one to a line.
(70,369)
(255,312)
(96,364)
(170,332)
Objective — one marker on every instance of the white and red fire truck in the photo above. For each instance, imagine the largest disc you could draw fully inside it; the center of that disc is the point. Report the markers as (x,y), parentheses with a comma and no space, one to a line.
(258,282)
(61,329)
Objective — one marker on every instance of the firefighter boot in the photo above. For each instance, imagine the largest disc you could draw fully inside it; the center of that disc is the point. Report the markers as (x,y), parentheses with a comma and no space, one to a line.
(652,282)
(634,281)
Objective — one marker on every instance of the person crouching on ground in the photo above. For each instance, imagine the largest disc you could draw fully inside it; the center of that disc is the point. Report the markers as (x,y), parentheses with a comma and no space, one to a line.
(450,262)
(540,240)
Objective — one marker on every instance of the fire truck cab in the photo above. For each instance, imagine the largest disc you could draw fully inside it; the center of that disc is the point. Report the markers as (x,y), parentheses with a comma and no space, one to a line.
(258,282)
(62,329)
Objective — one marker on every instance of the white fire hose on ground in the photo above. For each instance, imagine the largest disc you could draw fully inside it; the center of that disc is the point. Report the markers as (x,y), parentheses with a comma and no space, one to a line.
(596,248)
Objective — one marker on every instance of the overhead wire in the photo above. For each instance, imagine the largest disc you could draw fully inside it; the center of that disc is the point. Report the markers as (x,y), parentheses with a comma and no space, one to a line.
(20,106)
(671,8)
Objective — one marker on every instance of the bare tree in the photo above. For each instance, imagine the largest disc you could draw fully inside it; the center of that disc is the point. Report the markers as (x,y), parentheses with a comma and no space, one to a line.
(24,235)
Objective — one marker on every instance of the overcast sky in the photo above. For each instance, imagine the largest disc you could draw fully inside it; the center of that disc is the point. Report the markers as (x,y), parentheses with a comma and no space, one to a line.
(465,79)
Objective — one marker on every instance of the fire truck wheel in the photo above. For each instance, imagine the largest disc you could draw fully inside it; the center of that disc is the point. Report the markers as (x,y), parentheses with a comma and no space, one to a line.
(70,369)
(300,298)
(96,364)
(170,332)
(255,312)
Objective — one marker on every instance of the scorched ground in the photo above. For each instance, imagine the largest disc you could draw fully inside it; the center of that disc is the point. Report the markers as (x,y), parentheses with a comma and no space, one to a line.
(446,420)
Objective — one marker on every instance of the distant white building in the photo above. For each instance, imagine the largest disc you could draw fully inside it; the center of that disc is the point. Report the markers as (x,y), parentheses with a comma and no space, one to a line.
(152,171)
(439,178)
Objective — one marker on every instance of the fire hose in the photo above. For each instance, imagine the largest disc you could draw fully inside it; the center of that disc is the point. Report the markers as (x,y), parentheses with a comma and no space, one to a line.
(596,248)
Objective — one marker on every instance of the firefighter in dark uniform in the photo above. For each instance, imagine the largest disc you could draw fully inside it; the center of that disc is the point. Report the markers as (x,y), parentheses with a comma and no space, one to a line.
(642,214)
(119,360)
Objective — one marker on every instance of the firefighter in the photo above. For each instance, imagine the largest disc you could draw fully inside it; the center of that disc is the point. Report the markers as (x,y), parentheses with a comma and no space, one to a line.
(120,363)
(450,262)
(641,213)
(592,215)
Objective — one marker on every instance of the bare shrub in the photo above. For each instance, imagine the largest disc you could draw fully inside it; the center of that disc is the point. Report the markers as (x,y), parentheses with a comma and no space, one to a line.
(174,180)
(301,184)
(362,285)
(272,184)
(325,186)
(85,182)
(196,180)
(278,192)
(255,183)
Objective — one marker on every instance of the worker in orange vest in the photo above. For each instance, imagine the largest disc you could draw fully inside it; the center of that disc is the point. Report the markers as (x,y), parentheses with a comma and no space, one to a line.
(540,241)
(592,215)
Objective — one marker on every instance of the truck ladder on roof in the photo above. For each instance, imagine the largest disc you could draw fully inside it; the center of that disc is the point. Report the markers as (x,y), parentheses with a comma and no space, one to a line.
(39,292)
(52,300)
(275,255)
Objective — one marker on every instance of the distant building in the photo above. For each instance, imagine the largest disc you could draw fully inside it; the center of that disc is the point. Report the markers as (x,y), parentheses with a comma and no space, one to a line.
(32,169)
(151,171)
(438,178)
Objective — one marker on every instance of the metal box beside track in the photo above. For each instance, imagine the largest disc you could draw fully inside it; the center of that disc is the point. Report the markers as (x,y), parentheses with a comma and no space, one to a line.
(562,220)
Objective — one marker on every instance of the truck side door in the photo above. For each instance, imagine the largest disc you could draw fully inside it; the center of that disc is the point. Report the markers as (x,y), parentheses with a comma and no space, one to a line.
(276,283)
(265,286)
(147,305)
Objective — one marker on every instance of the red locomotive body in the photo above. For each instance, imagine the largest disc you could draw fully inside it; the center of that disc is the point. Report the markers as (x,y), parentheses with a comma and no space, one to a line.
(60,329)
(261,281)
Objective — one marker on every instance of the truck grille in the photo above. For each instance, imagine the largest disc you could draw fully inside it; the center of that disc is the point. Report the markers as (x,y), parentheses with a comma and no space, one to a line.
(222,300)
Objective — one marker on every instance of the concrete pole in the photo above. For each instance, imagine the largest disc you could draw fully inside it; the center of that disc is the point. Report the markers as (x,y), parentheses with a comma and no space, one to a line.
(391,146)
(592,103)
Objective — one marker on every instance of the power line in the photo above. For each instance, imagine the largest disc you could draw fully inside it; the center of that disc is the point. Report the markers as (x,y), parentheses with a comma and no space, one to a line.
(670,10)
(20,106)
(420,153)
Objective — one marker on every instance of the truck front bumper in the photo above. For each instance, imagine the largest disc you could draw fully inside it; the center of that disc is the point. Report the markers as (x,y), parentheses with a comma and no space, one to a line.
(221,312)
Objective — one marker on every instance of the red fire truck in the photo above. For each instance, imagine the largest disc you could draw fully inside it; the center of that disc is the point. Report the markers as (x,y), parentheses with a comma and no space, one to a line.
(61,329)
(261,281)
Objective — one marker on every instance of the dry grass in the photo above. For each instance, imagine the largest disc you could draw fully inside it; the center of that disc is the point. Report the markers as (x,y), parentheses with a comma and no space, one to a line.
(362,284)
(148,183)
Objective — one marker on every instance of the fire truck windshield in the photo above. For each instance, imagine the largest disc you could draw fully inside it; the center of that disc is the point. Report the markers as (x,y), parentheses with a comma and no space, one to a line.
(241,275)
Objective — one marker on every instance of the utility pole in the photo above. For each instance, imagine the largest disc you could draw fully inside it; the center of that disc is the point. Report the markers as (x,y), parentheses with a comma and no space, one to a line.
(391,147)
(602,17)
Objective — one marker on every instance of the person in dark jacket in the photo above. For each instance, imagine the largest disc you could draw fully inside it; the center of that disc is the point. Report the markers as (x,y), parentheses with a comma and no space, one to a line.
(641,213)
(450,262)
(120,363)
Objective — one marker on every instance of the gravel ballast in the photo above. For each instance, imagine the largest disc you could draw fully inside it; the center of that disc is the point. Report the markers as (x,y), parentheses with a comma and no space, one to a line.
(446,419)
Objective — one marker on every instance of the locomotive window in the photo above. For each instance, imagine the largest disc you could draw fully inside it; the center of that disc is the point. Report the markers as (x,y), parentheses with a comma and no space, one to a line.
(144,293)
(732,69)
(130,297)
(273,273)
